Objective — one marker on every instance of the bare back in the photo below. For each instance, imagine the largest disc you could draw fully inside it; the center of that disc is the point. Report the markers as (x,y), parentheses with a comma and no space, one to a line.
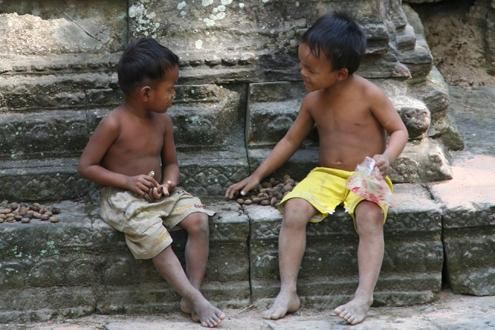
(348,123)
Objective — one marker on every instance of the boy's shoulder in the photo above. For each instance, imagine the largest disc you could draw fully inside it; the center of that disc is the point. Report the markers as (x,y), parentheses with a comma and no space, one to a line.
(368,88)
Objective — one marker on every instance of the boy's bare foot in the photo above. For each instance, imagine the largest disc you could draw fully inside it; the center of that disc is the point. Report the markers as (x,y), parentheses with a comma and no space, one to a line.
(203,312)
(354,311)
(186,308)
(283,304)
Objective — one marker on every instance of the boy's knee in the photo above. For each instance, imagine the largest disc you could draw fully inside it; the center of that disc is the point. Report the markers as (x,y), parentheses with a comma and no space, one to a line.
(297,212)
(196,223)
(369,218)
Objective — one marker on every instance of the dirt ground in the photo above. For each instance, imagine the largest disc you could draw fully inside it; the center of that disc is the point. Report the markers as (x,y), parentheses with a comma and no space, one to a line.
(455,33)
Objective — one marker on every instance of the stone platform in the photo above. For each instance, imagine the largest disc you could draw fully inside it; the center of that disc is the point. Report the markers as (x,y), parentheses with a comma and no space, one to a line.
(81,266)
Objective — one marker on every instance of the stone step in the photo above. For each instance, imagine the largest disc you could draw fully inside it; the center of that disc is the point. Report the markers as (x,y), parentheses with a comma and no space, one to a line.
(203,172)
(205,115)
(81,266)
(63,91)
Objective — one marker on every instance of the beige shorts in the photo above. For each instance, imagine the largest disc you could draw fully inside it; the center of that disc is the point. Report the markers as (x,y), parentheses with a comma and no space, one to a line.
(145,223)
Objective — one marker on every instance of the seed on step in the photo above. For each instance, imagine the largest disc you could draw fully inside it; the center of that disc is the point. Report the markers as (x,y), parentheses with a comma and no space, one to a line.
(265,202)
(54,219)
(5,210)
(248,201)
(36,215)
(14,205)
(240,200)
(25,220)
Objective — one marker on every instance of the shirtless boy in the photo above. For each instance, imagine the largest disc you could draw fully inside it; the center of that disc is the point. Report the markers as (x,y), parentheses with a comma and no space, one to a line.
(354,119)
(132,154)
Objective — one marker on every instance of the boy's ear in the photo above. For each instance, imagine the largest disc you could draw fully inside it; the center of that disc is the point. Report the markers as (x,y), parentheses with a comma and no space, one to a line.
(342,74)
(145,92)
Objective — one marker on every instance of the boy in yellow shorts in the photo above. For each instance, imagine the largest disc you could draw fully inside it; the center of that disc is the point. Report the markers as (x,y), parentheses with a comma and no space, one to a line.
(354,119)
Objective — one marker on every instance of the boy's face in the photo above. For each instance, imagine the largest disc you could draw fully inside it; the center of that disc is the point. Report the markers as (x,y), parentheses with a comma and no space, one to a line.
(317,72)
(162,93)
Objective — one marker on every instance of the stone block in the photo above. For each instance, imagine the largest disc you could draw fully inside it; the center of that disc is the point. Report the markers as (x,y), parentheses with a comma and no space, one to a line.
(45,29)
(81,265)
(41,180)
(469,224)
(43,134)
(62,91)
(205,116)
(414,114)
(421,161)
(412,266)
(211,172)
(298,166)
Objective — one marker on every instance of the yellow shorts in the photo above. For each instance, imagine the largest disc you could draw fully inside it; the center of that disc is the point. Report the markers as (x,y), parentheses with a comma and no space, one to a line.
(325,188)
(143,222)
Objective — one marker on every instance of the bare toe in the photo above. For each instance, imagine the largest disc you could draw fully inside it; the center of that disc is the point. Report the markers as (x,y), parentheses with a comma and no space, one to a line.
(283,304)
(354,311)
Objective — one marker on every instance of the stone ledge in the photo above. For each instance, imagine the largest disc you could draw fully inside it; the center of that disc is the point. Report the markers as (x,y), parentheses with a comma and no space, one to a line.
(81,265)
(469,224)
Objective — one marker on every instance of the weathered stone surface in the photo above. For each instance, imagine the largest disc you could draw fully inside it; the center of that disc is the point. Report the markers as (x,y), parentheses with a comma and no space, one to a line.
(225,40)
(469,224)
(298,166)
(39,180)
(211,172)
(58,63)
(414,114)
(81,265)
(471,108)
(44,134)
(32,28)
(413,252)
(58,91)
(421,161)
(207,123)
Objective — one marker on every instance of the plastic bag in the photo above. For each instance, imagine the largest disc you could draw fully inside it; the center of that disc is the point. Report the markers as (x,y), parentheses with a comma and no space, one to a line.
(368,182)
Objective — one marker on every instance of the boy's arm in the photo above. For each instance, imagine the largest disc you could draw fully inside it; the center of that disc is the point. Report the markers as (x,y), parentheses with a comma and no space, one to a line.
(282,151)
(170,167)
(89,164)
(390,120)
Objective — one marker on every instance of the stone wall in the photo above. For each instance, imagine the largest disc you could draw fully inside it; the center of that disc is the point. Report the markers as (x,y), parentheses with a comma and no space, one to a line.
(239,88)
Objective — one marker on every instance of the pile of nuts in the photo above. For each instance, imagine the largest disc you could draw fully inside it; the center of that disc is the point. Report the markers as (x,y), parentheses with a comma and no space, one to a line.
(270,192)
(24,213)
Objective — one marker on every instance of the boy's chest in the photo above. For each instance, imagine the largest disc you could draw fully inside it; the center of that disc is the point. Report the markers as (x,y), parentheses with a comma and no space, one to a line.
(343,117)
(141,139)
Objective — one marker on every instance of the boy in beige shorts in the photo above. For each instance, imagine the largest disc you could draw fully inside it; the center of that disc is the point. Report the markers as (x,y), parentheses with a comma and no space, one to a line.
(132,154)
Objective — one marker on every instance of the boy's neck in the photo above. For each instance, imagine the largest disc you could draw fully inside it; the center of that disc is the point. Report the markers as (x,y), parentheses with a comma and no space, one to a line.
(135,108)
(339,85)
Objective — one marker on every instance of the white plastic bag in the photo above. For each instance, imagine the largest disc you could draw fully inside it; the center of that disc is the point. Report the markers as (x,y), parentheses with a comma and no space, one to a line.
(368,182)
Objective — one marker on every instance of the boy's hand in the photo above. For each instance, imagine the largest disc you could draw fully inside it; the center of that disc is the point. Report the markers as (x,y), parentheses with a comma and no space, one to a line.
(141,185)
(382,162)
(243,186)
(167,188)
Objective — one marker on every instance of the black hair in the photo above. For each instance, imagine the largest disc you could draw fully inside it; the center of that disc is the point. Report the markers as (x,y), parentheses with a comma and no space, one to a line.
(144,60)
(340,38)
